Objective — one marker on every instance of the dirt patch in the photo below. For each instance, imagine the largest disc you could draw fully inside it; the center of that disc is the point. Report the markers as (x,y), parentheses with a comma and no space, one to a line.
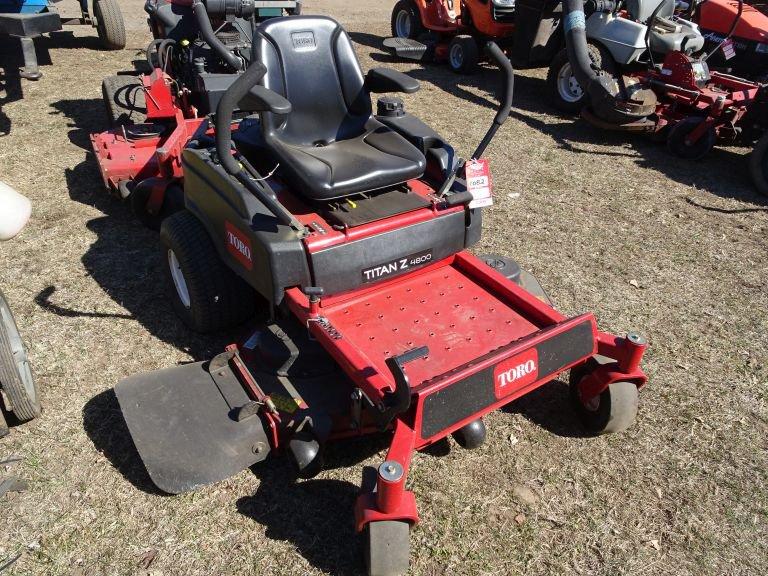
(674,249)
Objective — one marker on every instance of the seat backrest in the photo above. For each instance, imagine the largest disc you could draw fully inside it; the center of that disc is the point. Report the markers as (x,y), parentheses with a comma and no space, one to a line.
(310,61)
(641,10)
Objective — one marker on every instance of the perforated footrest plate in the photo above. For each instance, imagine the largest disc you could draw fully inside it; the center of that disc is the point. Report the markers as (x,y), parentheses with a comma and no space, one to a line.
(406,48)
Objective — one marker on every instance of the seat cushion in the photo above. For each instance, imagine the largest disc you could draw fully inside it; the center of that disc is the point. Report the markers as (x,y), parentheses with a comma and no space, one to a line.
(377,158)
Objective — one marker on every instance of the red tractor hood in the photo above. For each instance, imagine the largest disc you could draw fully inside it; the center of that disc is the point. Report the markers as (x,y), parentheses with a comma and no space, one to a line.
(718,15)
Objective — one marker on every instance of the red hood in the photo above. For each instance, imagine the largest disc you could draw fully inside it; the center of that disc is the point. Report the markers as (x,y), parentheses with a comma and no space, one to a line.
(718,15)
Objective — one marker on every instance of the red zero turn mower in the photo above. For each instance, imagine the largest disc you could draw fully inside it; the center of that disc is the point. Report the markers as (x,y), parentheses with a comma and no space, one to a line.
(456,30)
(677,98)
(348,231)
(199,48)
(745,51)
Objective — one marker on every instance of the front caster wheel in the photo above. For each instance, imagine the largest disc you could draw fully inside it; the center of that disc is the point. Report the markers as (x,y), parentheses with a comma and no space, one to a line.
(679,144)
(306,454)
(472,435)
(614,410)
(387,548)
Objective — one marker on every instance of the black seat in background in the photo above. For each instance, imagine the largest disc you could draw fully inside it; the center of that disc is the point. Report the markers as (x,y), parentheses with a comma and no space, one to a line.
(330,145)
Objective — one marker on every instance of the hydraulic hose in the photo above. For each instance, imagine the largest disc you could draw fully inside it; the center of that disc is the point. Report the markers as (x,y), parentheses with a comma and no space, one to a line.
(206,31)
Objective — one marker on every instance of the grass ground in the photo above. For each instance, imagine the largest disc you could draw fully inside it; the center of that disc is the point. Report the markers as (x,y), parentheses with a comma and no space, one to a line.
(674,249)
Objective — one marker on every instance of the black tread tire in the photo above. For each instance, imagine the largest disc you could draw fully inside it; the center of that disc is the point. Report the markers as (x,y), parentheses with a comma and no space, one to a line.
(600,58)
(25,404)
(676,139)
(617,407)
(520,276)
(387,548)
(124,100)
(758,165)
(471,54)
(219,298)
(110,25)
(417,28)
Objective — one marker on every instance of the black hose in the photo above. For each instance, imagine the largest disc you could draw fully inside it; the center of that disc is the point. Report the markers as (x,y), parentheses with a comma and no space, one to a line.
(206,31)
(599,86)
(498,56)
(224,111)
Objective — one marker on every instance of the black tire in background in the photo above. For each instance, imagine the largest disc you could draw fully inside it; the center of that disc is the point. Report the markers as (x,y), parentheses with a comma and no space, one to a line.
(124,100)
(109,24)
(15,374)
(463,54)
(173,201)
(758,165)
(679,147)
(566,100)
(216,297)
(406,20)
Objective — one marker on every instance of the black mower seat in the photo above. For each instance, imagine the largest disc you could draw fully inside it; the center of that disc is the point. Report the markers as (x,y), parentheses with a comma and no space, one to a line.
(330,145)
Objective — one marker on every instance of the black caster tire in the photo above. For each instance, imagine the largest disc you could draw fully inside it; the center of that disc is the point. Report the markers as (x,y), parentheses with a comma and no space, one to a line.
(679,147)
(472,435)
(306,453)
(463,54)
(406,20)
(124,100)
(513,271)
(16,378)
(206,294)
(109,24)
(614,410)
(758,165)
(387,548)
(563,91)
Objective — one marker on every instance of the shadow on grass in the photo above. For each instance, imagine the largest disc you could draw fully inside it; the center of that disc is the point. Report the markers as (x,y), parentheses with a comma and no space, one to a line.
(550,407)
(104,423)
(316,516)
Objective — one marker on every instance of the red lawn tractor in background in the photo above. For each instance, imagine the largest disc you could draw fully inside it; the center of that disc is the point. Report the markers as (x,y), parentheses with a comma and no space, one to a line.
(741,49)
(455,31)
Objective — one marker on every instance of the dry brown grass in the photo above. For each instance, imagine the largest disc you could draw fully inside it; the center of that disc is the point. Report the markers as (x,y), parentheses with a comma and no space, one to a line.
(683,492)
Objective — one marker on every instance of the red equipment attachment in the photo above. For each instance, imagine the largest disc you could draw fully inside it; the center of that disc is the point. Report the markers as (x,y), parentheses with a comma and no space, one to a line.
(131,154)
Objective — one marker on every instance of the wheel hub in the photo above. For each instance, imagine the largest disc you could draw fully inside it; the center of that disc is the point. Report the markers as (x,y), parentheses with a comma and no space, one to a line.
(179,281)
(567,86)
(403,24)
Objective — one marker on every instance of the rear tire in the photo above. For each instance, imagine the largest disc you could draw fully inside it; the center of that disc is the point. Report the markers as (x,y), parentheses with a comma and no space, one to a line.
(124,100)
(109,24)
(463,54)
(614,410)
(16,378)
(387,548)
(679,147)
(758,165)
(563,90)
(206,294)
(406,20)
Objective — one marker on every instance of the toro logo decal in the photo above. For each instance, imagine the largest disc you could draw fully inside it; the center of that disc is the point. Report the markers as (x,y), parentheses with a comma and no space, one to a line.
(239,245)
(516,372)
